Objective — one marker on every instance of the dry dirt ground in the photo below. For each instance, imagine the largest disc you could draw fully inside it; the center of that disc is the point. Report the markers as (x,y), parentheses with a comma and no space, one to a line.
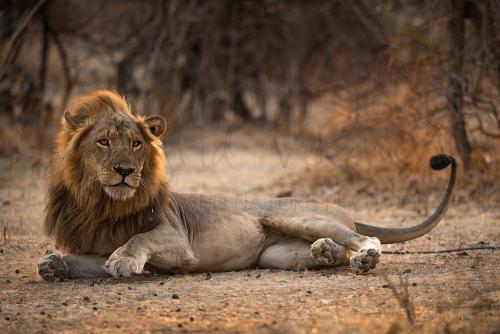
(454,292)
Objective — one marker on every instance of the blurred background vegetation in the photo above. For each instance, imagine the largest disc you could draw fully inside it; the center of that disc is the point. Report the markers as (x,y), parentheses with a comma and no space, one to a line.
(379,84)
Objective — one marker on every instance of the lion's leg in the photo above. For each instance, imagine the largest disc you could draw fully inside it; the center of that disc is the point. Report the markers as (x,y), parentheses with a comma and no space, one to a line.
(167,245)
(54,266)
(299,254)
(311,227)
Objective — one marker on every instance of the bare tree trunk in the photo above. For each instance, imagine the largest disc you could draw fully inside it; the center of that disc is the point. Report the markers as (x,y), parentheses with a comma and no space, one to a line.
(239,106)
(490,40)
(456,82)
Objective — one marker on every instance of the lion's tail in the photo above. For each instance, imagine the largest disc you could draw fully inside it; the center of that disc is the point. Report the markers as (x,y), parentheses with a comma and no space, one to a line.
(393,235)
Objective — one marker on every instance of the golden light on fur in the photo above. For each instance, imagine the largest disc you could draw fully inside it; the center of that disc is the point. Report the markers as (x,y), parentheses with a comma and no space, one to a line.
(108,197)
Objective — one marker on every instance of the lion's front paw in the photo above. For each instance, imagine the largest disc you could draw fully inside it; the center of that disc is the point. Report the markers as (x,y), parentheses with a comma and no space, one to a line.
(326,252)
(364,260)
(52,267)
(120,263)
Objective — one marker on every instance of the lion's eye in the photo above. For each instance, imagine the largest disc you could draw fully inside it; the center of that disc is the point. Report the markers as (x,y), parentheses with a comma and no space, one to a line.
(103,142)
(136,144)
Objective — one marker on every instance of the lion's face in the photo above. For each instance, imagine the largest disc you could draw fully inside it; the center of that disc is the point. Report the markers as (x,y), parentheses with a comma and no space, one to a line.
(114,151)
(113,145)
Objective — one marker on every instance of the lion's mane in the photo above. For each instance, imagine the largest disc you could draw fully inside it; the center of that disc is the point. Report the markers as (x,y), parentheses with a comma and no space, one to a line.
(79,215)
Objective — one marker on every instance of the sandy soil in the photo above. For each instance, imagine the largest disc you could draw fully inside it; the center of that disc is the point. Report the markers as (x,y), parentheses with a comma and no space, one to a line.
(445,293)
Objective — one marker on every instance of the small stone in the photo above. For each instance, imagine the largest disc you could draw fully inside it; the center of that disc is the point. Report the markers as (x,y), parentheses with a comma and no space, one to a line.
(179,326)
(175,296)
(191,319)
(129,287)
(414,284)
(86,298)
(385,286)
(7,318)
(42,312)
(463,253)
(208,276)
(64,304)
(406,271)
(178,310)
(162,283)
(94,308)
(309,292)
(17,271)
(258,276)
(155,294)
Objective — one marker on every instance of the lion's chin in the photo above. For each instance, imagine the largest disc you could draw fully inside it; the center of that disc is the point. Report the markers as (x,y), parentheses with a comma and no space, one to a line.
(120,192)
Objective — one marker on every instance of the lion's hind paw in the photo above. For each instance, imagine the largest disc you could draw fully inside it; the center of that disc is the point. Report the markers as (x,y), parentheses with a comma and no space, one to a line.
(326,252)
(364,260)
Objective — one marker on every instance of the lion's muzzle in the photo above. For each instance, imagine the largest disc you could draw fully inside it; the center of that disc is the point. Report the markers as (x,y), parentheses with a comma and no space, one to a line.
(120,183)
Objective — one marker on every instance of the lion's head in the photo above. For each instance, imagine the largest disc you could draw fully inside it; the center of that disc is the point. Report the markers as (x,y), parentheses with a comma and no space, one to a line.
(111,144)
(114,145)
(109,167)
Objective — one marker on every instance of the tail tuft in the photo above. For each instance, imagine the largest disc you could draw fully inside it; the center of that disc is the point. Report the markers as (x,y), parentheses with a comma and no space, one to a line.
(441,161)
(389,235)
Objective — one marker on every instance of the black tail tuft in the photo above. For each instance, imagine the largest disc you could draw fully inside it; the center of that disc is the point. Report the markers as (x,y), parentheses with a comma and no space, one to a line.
(441,161)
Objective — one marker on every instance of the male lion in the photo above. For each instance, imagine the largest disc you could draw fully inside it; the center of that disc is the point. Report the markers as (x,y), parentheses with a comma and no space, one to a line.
(111,211)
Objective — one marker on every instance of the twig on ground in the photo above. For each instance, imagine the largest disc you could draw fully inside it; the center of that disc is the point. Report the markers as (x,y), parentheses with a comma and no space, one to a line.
(5,238)
(448,250)
(402,296)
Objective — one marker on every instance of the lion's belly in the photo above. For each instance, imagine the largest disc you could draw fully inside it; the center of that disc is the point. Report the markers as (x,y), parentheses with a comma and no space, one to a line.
(229,243)
(223,242)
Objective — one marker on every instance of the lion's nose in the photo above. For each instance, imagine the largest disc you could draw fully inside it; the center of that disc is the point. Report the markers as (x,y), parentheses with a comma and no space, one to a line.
(124,172)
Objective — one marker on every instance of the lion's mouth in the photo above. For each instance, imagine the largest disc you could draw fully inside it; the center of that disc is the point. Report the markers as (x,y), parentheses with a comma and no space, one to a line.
(122,183)
(120,191)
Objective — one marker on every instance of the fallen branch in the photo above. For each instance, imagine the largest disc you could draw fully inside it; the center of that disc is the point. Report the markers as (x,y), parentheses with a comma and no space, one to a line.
(448,250)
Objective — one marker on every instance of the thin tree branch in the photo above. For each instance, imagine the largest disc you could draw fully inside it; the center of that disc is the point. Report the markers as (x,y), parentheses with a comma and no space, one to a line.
(65,64)
(23,22)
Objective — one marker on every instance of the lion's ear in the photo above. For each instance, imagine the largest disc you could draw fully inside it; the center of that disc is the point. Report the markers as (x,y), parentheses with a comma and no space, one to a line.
(156,124)
(74,121)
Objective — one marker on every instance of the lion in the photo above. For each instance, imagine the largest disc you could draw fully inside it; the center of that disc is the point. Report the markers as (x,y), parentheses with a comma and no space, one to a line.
(111,212)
